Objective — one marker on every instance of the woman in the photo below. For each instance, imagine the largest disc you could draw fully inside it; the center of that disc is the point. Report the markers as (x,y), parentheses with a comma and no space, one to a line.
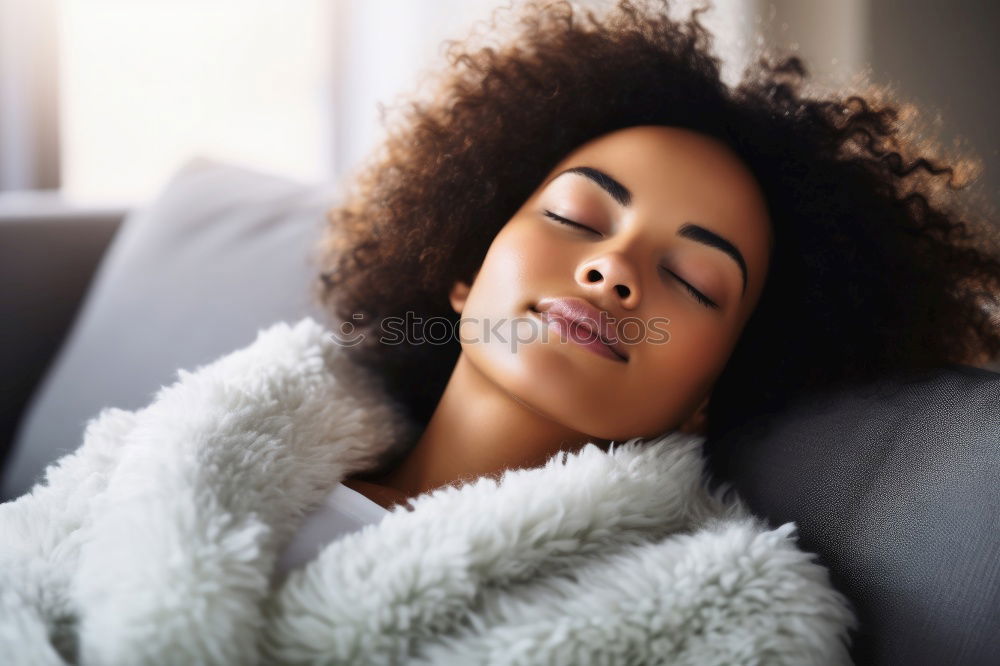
(636,253)
(873,263)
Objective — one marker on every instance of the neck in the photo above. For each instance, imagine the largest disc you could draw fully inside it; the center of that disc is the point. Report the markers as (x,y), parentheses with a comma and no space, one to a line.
(478,429)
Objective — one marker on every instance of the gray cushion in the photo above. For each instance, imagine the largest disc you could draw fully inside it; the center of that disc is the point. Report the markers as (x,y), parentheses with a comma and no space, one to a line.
(222,252)
(897,487)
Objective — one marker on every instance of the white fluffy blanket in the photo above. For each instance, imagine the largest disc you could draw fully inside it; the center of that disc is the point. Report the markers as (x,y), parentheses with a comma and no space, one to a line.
(155,543)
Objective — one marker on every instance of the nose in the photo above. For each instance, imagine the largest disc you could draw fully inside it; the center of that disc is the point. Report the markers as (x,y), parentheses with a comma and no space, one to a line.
(610,276)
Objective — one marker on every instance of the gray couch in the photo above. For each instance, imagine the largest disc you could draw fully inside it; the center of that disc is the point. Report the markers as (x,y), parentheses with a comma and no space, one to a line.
(896,487)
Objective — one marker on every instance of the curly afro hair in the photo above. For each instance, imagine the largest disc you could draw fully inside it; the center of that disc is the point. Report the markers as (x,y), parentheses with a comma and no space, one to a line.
(878,265)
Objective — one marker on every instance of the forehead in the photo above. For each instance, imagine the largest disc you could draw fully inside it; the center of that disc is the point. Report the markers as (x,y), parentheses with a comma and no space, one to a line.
(663,160)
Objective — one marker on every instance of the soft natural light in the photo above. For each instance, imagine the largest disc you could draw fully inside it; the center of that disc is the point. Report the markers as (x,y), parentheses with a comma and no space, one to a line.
(145,85)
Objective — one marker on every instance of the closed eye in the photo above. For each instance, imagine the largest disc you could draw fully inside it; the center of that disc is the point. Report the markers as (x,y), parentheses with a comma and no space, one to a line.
(700,297)
(570,223)
(704,300)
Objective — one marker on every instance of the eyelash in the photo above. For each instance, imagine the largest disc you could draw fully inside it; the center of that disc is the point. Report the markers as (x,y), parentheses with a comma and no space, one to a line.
(701,298)
(570,223)
(694,292)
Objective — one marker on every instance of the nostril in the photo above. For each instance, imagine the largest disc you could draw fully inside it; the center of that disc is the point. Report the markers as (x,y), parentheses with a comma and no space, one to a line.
(622,290)
(593,275)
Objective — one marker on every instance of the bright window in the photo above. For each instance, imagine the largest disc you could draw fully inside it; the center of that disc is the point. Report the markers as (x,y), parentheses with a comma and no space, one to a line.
(146,84)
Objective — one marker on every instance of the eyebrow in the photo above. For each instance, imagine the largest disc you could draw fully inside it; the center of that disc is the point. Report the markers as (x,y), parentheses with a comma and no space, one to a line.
(695,232)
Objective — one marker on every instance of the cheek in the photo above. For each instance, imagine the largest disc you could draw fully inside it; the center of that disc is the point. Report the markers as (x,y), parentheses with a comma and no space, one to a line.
(539,242)
(672,377)
(513,268)
(497,296)
(496,275)
(698,351)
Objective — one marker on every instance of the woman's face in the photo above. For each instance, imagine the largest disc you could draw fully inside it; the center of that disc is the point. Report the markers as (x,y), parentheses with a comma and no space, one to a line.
(662,211)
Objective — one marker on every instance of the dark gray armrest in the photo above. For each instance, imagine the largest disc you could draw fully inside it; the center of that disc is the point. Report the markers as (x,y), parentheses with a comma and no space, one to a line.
(46,264)
(895,486)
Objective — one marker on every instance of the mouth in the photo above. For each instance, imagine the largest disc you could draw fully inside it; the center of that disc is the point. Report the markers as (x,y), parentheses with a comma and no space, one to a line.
(583,334)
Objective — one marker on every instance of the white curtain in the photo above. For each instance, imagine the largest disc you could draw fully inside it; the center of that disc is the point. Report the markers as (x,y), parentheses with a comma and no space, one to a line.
(29,136)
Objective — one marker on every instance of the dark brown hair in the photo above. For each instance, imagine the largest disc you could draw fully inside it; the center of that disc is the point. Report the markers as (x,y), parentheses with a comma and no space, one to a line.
(878,265)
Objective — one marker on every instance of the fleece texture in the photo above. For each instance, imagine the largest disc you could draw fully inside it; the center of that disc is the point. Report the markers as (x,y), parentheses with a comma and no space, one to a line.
(155,542)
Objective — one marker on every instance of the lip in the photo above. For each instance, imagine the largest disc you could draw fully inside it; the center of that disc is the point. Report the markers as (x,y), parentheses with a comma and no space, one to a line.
(575,313)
